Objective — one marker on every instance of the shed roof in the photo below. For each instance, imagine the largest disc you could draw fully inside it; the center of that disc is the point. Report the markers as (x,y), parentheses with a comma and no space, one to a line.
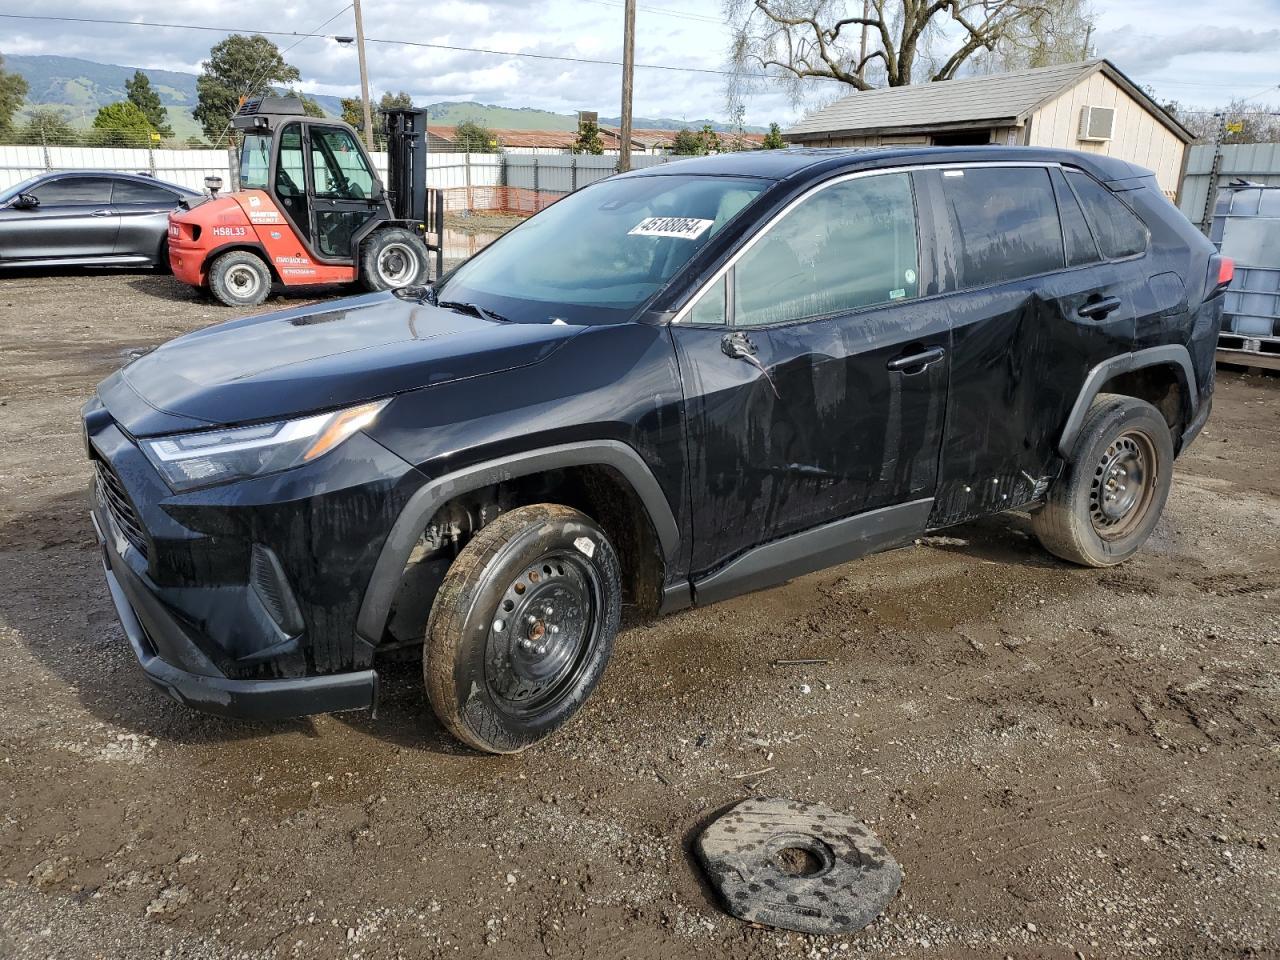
(999,98)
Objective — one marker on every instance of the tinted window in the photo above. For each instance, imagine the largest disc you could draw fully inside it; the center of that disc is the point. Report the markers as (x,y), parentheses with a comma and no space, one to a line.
(130,191)
(1075,231)
(1120,233)
(1006,223)
(851,245)
(710,307)
(338,168)
(73,191)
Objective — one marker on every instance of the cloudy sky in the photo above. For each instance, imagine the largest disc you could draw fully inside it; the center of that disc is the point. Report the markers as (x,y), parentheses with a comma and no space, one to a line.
(1198,53)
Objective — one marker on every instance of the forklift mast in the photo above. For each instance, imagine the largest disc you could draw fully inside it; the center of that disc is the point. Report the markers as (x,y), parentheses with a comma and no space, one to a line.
(407,163)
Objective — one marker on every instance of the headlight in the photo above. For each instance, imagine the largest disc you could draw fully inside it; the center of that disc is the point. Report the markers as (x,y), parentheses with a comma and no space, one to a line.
(217,456)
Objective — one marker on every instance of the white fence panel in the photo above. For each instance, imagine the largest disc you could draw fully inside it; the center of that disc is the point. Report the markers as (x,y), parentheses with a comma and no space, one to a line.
(18,163)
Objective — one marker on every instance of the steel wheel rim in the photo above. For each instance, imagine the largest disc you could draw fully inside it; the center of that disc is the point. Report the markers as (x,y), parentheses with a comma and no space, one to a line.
(243,280)
(542,633)
(1123,484)
(397,263)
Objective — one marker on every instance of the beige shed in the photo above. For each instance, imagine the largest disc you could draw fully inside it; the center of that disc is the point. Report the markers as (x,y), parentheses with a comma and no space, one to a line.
(1089,106)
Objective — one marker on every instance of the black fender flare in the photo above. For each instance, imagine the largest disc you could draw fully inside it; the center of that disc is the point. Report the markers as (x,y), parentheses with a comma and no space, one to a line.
(1170,354)
(422,506)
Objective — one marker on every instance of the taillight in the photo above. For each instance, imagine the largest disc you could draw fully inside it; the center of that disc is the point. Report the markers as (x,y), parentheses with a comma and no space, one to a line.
(1221,272)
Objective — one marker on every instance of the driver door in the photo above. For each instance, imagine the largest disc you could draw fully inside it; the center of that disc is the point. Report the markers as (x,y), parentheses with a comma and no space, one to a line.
(343,190)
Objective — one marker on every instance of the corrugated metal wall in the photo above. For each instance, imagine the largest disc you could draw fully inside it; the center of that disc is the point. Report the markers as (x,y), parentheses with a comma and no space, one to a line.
(1259,162)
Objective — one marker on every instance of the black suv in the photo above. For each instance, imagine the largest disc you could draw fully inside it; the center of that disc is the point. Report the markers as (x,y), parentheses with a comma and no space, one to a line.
(669,388)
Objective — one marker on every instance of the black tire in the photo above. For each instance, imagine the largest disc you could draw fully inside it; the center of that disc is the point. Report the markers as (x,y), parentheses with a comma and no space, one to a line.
(499,677)
(1109,498)
(239,278)
(162,264)
(391,258)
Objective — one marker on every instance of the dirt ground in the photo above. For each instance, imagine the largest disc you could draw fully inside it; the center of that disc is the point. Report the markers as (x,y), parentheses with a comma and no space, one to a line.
(1067,763)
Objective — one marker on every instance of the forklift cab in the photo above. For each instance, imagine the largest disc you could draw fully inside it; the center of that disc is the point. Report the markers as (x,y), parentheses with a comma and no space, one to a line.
(316,170)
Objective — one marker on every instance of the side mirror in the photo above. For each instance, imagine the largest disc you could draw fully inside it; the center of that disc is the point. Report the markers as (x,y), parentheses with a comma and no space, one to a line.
(26,201)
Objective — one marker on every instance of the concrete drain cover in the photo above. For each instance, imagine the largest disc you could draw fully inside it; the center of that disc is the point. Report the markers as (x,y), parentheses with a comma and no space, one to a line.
(799,866)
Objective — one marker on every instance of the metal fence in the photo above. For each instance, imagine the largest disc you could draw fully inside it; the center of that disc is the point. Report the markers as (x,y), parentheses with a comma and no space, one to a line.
(1209,168)
(554,174)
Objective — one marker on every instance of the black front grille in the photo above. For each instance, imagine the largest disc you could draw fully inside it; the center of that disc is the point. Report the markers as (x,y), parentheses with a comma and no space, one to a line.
(111,494)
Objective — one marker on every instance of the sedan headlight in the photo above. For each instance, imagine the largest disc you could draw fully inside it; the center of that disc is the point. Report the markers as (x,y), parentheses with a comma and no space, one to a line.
(190,460)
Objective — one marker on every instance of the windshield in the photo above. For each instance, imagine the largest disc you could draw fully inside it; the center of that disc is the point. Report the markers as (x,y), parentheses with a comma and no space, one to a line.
(255,161)
(9,193)
(596,255)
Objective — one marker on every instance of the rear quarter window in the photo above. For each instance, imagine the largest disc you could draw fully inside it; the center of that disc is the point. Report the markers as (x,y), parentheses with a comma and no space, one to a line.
(1005,221)
(1117,229)
(130,191)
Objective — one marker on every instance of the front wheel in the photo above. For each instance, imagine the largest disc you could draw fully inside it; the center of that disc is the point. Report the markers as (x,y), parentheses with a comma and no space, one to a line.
(1109,498)
(392,258)
(522,627)
(239,279)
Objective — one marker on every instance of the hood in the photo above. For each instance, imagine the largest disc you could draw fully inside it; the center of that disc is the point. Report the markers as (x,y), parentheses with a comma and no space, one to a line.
(300,361)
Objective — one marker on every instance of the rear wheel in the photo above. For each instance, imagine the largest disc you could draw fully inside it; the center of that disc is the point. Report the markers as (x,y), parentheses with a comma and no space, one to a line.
(1103,508)
(522,627)
(392,258)
(239,279)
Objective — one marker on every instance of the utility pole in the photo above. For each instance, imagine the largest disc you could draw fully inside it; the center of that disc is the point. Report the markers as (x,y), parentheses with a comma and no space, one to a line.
(364,76)
(628,73)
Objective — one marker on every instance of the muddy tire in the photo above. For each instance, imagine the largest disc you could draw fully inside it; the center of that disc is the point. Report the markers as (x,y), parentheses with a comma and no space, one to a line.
(522,627)
(239,279)
(392,258)
(1111,493)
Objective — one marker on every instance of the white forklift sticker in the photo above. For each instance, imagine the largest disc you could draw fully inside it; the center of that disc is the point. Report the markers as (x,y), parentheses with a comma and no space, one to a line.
(683,228)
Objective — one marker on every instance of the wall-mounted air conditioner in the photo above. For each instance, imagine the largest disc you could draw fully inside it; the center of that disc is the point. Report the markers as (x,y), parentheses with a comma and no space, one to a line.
(1097,123)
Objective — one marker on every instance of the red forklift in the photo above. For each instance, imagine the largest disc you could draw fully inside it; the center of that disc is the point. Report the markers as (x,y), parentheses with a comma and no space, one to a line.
(311,210)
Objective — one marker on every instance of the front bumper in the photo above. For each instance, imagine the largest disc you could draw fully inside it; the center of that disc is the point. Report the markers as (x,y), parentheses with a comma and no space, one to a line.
(150,628)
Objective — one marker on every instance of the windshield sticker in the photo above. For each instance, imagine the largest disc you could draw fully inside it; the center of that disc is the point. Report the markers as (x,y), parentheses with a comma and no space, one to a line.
(897,294)
(683,228)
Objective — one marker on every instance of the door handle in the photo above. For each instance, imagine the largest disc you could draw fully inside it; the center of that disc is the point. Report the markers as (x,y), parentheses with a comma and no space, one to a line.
(738,346)
(100,213)
(1097,309)
(917,362)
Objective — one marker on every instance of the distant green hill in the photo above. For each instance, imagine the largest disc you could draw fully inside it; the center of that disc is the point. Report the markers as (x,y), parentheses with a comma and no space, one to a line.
(78,88)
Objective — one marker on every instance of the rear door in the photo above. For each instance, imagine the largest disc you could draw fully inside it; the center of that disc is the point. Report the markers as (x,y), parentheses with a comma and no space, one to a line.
(73,221)
(143,209)
(1034,306)
(814,381)
(343,187)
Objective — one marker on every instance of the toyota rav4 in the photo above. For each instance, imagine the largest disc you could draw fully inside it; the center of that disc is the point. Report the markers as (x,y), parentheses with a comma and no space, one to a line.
(668,388)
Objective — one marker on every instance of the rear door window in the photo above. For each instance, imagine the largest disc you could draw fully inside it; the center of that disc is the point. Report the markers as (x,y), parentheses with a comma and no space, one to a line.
(848,246)
(1005,223)
(1081,247)
(73,191)
(130,191)
(1117,228)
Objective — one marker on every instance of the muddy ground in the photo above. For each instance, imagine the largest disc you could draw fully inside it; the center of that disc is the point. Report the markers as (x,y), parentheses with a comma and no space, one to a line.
(1065,762)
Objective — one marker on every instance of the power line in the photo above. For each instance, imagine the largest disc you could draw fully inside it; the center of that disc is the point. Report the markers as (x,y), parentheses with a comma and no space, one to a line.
(407,43)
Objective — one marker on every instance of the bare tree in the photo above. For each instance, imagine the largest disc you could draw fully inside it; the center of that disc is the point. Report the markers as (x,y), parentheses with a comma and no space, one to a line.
(800,41)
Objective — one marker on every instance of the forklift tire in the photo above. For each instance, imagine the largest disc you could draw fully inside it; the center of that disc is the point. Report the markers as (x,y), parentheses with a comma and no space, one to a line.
(239,279)
(392,258)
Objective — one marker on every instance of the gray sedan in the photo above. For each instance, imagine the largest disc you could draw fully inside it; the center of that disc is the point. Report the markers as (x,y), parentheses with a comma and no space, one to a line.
(88,217)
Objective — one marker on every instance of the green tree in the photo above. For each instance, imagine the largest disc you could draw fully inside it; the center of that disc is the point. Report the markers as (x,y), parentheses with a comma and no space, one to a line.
(773,139)
(395,101)
(122,125)
(46,125)
(143,96)
(710,140)
(473,137)
(589,140)
(13,91)
(196,143)
(686,143)
(353,112)
(239,67)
